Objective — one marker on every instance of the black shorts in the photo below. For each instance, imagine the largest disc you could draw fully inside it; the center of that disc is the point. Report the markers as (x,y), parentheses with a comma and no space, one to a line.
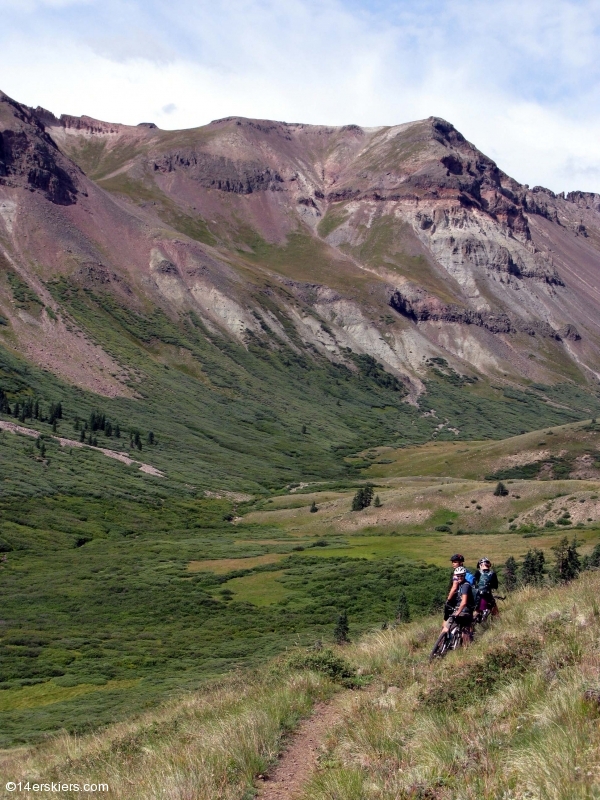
(464,620)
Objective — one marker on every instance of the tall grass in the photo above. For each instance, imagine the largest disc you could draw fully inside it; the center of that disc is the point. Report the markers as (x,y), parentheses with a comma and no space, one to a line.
(209,745)
(508,718)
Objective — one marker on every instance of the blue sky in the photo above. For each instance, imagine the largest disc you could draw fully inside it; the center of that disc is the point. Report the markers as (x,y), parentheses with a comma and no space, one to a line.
(520,78)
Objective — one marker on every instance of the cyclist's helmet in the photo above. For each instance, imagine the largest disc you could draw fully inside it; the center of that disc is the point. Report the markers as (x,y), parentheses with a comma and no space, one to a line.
(457,557)
(460,571)
(483,561)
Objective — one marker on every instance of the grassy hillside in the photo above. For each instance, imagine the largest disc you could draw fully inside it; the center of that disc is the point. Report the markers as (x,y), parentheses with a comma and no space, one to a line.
(257,417)
(513,716)
(557,452)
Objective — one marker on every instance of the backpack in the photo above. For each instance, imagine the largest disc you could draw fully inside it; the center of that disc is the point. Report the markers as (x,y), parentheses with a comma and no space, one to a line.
(470,578)
(487,582)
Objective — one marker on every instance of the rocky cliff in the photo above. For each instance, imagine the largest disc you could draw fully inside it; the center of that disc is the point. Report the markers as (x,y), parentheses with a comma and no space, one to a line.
(412,242)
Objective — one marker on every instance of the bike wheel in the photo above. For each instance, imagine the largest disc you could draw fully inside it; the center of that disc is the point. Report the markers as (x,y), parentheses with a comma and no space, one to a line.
(440,648)
(456,641)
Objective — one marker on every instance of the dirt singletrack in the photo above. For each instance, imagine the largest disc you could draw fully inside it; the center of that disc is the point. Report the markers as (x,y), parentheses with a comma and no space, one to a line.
(299,760)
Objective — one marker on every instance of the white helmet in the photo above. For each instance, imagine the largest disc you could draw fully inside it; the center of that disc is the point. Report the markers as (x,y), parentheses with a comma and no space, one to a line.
(459,571)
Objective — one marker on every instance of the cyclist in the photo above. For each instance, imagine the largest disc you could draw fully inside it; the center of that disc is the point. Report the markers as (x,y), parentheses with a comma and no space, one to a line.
(472,578)
(464,606)
(488,581)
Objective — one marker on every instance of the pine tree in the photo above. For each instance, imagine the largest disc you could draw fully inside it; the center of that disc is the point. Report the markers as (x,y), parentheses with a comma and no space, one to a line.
(82,435)
(150,437)
(500,490)
(342,630)
(358,500)
(568,561)
(594,558)
(304,429)
(377,501)
(510,574)
(363,498)
(532,569)
(117,431)
(313,508)
(402,608)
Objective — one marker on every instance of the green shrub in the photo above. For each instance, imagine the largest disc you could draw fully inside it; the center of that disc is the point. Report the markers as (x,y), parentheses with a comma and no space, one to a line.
(467,682)
(337,668)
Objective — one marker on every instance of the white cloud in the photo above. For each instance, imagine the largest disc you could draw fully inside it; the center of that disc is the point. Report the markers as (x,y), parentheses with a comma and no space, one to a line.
(519,79)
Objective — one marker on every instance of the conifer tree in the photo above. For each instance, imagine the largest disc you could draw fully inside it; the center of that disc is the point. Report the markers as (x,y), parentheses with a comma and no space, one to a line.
(594,559)
(313,508)
(568,562)
(510,574)
(82,435)
(377,501)
(500,490)
(403,609)
(532,569)
(363,498)
(342,630)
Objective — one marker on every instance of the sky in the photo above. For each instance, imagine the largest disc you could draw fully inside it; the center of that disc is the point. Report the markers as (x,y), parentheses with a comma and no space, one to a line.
(519,78)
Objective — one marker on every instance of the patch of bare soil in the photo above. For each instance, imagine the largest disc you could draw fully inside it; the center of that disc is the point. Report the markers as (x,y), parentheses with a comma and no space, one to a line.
(299,760)
(521,459)
(581,509)
(236,497)
(387,516)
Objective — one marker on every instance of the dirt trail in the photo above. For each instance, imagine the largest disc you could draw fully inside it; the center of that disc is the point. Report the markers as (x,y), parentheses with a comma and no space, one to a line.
(299,760)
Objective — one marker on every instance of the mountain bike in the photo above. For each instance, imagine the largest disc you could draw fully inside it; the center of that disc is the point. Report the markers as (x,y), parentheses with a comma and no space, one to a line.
(486,614)
(447,640)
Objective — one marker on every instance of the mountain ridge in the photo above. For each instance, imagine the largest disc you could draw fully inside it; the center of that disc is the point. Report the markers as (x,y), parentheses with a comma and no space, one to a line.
(340,248)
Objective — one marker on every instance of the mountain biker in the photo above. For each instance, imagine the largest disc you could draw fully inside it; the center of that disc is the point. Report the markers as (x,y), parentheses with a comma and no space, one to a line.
(488,581)
(465,605)
(472,578)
